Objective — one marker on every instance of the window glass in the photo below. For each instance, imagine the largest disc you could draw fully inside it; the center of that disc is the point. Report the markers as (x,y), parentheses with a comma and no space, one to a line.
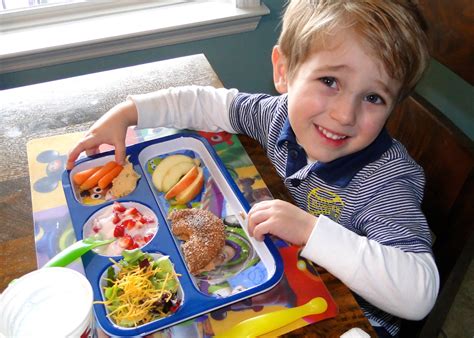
(24,4)
(16,14)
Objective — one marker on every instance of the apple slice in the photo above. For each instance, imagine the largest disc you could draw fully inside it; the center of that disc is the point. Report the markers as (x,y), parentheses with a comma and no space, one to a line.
(175,174)
(164,166)
(191,190)
(183,183)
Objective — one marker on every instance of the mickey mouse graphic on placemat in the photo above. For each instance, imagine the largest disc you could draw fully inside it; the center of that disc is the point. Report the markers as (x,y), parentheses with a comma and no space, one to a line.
(56,163)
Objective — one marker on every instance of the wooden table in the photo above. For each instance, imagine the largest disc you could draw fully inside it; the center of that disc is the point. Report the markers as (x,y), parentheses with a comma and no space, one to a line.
(72,105)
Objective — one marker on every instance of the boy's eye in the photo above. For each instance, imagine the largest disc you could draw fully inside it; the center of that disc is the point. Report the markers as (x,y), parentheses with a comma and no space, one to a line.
(328,81)
(374,98)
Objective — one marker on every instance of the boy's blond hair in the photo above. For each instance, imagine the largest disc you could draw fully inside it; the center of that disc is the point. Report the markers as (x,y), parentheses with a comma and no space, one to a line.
(393,30)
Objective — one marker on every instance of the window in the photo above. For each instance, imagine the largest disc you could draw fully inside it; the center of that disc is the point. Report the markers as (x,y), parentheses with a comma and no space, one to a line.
(17,14)
(49,32)
(24,4)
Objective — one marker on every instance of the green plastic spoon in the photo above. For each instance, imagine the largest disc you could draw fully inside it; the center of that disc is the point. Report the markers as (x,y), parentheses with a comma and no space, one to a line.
(74,251)
(268,322)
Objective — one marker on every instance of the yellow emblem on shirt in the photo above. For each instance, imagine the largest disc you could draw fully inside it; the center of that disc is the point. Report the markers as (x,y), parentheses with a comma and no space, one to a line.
(322,201)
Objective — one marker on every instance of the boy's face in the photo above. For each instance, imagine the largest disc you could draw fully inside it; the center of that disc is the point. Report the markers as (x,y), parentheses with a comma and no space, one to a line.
(339,98)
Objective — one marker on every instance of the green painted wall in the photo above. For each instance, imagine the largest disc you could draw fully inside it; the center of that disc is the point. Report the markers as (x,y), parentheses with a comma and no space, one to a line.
(243,61)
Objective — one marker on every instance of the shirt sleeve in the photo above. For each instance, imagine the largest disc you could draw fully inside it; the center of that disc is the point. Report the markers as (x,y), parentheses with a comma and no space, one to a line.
(404,284)
(253,115)
(189,107)
(390,210)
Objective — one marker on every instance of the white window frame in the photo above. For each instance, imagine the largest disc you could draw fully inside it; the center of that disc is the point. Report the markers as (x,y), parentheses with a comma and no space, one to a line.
(58,12)
(111,27)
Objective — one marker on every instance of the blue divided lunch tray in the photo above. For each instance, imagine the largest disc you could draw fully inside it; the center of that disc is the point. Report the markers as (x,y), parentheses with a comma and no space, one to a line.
(256,267)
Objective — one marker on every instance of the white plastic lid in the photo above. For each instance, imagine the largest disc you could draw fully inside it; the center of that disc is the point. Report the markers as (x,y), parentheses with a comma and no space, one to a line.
(49,302)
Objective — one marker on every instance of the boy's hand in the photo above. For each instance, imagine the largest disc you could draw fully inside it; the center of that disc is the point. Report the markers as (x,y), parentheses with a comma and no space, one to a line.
(281,219)
(111,129)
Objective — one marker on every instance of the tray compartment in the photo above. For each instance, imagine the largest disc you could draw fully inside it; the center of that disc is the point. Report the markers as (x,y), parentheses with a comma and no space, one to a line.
(178,300)
(133,227)
(222,281)
(96,195)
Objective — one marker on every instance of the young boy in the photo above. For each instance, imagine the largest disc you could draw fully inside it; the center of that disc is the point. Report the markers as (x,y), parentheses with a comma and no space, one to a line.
(340,67)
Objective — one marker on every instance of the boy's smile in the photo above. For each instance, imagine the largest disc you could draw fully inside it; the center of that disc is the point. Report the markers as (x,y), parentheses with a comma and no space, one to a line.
(339,98)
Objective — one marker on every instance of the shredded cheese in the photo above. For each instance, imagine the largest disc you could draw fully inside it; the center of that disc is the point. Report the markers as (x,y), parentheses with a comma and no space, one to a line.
(137,295)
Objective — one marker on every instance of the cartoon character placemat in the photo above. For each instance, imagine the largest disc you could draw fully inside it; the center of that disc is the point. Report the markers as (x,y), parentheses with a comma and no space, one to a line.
(54,232)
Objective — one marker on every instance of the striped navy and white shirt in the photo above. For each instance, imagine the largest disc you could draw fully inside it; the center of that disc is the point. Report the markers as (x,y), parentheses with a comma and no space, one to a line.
(370,233)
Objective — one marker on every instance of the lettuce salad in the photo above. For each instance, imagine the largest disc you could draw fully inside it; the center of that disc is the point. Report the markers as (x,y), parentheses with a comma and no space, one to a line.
(140,288)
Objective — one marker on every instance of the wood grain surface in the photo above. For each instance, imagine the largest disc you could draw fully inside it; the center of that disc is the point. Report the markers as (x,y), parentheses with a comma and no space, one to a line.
(72,105)
(451,32)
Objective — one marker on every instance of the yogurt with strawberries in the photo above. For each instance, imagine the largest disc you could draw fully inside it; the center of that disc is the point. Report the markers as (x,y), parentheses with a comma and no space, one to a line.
(133,225)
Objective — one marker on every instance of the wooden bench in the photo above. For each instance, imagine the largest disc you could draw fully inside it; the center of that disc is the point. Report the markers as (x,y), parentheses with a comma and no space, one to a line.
(447,156)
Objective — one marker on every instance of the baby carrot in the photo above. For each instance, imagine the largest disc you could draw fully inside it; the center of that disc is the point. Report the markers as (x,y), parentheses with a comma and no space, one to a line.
(107,178)
(81,176)
(92,181)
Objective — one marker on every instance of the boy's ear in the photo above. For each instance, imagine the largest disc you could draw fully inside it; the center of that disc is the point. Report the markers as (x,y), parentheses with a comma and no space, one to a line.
(279,70)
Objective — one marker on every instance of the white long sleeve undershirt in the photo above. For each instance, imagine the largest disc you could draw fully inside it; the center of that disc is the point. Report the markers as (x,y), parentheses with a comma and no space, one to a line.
(190,107)
(404,284)
(401,283)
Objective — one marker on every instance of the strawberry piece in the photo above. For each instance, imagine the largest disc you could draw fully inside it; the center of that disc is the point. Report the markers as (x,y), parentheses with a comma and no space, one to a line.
(139,225)
(119,207)
(133,211)
(145,220)
(116,218)
(96,228)
(126,242)
(119,231)
(129,223)
(148,238)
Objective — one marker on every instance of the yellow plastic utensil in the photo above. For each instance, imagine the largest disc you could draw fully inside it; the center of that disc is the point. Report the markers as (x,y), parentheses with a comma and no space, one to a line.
(268,322)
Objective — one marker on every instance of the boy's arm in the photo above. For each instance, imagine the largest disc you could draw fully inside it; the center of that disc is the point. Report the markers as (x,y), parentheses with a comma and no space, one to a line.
(187,107)
(192,107)
(258,115)
(404,284)
(111,129)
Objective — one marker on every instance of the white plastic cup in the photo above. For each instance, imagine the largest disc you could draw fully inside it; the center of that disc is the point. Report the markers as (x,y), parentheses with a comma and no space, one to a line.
(49,302)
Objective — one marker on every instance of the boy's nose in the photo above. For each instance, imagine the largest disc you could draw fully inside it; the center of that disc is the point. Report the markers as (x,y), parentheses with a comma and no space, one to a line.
(344,111)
